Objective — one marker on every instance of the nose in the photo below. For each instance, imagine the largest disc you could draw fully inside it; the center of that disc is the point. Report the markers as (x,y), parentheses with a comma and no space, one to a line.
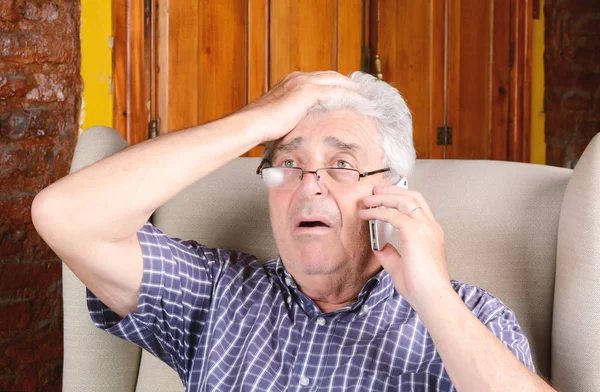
(311,184)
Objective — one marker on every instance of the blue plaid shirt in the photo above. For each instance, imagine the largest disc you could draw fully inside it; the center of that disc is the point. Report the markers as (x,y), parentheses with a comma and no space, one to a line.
(226,322)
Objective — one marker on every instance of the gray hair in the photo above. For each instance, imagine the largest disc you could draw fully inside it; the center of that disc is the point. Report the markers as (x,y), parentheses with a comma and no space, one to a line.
(384,105)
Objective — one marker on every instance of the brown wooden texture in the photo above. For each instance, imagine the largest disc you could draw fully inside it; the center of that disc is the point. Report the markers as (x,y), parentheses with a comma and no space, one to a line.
(451,60)
(258,49)
(178,53)
(461,63)
(404,39)
(500,80)
(222,63)
(314,35)
(349,37)
(279,40)
(437,77)
(131,69)
(119,9)
(471,136)
(520,80)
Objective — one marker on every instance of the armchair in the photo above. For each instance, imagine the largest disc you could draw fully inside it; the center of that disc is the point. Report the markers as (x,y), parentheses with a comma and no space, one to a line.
(529,234)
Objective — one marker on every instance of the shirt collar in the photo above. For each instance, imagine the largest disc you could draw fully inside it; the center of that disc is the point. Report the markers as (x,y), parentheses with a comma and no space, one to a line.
(375,290)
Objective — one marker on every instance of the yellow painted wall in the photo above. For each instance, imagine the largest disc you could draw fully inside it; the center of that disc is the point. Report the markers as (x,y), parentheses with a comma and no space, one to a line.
(538,143)
(96,63)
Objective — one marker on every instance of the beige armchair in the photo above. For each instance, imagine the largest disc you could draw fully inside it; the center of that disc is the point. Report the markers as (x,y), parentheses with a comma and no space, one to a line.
(529,234)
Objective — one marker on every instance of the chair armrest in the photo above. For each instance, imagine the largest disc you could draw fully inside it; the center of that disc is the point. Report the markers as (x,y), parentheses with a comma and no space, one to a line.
(575,336)
(93,359)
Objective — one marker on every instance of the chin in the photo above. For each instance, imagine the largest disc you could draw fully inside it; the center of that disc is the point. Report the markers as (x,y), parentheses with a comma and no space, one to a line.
(316,260)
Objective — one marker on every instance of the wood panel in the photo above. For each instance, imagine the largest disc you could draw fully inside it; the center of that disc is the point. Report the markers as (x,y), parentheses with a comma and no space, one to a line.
(500,80)
(314,35)
(472,134)
(222,58)
(314,43)
(258,51)
(204,75)
(279,40)
(463,63)
(520,80)
(349,36)
(178,44)
(258,48)
(438,98)
(131,68)
(404,39)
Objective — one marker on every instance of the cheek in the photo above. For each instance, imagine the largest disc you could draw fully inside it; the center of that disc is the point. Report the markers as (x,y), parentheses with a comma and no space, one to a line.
(277,209)
(352,221)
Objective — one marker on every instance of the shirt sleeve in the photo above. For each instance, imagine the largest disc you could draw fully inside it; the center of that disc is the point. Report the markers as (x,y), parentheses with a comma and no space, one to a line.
(499,319)
(177,285)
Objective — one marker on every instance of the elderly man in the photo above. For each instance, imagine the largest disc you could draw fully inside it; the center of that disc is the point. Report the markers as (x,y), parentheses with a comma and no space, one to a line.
(329,313)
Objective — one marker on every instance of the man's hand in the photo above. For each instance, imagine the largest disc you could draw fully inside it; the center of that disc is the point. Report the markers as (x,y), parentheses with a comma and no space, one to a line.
(278,111)
(473,356)
(420,273)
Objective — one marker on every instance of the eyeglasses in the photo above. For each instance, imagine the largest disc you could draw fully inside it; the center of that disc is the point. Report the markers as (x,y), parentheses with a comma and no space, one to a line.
(290,177)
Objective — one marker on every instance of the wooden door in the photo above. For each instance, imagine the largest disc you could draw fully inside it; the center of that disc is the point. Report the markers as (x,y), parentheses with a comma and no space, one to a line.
(463,67)
(460,64)
(216,57)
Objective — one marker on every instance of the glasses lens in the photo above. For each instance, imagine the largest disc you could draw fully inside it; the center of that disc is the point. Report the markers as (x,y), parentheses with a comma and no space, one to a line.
(279,177)
(343,176)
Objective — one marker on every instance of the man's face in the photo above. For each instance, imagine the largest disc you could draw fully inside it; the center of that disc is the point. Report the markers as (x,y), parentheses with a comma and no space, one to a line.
(340,138)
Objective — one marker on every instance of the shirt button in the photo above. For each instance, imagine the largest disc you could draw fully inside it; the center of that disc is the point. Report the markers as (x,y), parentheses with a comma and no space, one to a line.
(304,381)
(288,300)
(288,281)
(364,309)
(320,321)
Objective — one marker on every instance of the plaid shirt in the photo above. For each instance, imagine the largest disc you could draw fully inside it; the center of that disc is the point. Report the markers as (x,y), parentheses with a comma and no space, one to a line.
(226,322)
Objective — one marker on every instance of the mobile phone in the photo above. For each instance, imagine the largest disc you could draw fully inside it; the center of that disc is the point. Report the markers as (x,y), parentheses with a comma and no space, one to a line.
(382,232)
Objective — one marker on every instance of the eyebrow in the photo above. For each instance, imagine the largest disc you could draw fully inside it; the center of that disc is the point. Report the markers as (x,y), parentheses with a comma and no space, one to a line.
(331,141)
(341,145)
(294,144)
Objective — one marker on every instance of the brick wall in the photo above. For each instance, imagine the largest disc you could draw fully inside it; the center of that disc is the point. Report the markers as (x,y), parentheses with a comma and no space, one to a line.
(39,101)
(572,65)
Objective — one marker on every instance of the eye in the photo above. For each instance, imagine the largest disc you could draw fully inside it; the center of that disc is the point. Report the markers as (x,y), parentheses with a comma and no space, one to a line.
(288,163)
(339,164)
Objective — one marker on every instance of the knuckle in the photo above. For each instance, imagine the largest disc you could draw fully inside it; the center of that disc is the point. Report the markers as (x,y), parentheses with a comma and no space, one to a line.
(291,75)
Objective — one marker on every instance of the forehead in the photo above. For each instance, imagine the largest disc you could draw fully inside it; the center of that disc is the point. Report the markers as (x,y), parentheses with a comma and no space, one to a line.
(339,129)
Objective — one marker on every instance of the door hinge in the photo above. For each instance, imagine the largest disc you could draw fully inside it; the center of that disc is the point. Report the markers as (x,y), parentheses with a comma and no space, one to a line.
(153,129)
(444,135)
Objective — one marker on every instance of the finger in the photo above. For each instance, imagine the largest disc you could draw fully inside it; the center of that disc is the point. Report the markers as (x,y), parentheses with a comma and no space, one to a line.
(402,202)
(328,78)
(326,92)
(400,221)
(389,258)
(392,189)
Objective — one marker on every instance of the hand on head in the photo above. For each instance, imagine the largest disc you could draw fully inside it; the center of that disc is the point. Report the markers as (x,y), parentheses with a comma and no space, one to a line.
(278,111)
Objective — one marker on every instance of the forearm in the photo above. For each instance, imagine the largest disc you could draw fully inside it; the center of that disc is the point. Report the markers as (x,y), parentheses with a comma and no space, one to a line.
(475,359)
(111,199)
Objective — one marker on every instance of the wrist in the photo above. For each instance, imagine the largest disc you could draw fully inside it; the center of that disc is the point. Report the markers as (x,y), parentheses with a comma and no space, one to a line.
(252,124)
(434,300)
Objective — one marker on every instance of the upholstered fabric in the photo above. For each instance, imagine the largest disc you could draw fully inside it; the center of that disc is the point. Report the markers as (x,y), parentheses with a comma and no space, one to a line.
(501,223)
(93,360)
(576,327)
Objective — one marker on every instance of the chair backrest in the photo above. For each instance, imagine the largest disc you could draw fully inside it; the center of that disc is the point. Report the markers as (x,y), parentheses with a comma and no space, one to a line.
(500,219)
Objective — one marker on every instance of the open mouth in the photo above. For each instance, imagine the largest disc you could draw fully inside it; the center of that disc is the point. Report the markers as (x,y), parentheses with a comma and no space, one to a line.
(313,224)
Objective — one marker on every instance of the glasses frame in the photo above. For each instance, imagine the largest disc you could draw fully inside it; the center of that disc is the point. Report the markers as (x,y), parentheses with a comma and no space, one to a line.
(260,168)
